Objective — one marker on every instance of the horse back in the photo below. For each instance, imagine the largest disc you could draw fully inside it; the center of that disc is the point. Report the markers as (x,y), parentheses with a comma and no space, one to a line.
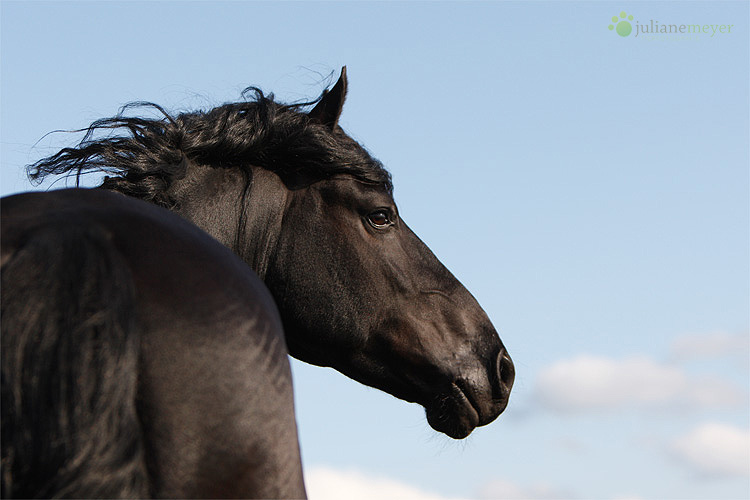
(140,357)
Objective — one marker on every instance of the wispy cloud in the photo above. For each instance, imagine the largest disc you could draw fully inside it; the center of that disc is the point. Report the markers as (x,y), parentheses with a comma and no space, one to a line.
(508,490)
(715,449)
(327,483)
(586,383)
(714,345)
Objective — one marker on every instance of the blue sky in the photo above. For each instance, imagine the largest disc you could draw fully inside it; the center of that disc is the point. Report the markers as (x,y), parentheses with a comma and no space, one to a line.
(591,190)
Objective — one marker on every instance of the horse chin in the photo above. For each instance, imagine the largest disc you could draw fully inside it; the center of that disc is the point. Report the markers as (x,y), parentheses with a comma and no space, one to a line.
(453,414)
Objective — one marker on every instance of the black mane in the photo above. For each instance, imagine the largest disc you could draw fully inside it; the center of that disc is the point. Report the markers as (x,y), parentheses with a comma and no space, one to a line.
(142,156)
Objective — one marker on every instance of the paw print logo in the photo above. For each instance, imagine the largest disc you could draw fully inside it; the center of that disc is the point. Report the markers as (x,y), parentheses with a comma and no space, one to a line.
(621,24)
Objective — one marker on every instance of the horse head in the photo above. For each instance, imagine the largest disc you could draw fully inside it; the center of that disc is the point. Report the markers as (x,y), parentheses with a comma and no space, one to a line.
(360,292)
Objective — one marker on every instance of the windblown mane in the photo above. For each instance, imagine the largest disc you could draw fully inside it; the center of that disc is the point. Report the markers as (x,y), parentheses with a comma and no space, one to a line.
(142,156)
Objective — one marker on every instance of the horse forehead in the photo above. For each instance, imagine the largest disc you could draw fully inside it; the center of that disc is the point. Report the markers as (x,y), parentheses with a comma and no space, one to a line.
(348,190)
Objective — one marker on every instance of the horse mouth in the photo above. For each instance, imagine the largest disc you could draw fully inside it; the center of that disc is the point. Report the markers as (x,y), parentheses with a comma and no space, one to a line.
(453,413)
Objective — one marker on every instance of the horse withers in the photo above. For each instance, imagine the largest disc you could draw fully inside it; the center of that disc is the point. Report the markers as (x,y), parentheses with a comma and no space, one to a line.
(312,213)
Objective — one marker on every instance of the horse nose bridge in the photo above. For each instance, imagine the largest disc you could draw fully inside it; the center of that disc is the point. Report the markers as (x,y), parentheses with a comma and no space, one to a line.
(458,314)
(452,299)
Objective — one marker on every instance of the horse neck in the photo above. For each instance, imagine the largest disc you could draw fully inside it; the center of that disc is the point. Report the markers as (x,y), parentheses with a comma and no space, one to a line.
(243,210)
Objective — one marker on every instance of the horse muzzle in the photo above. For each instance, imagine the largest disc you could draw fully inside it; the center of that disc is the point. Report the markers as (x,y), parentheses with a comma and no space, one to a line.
(472,400)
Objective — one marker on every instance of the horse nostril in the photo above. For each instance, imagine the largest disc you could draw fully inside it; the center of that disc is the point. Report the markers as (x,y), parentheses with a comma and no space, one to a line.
(506,372)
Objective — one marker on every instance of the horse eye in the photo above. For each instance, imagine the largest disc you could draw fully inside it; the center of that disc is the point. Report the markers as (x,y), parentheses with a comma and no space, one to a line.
(379,219)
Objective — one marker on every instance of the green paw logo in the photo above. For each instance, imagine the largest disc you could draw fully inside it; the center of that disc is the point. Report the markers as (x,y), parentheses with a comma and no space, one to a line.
(621,24)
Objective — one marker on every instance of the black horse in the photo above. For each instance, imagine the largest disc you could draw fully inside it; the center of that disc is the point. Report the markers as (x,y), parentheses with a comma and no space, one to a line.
(313,215)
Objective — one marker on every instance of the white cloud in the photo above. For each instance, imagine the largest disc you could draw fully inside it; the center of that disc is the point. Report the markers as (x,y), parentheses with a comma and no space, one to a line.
(508,490)
(715,450)
(326,483)
(598,383)
(711,346)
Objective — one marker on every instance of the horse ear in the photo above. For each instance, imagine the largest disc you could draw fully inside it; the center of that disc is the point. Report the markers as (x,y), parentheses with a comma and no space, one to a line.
(328,109)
